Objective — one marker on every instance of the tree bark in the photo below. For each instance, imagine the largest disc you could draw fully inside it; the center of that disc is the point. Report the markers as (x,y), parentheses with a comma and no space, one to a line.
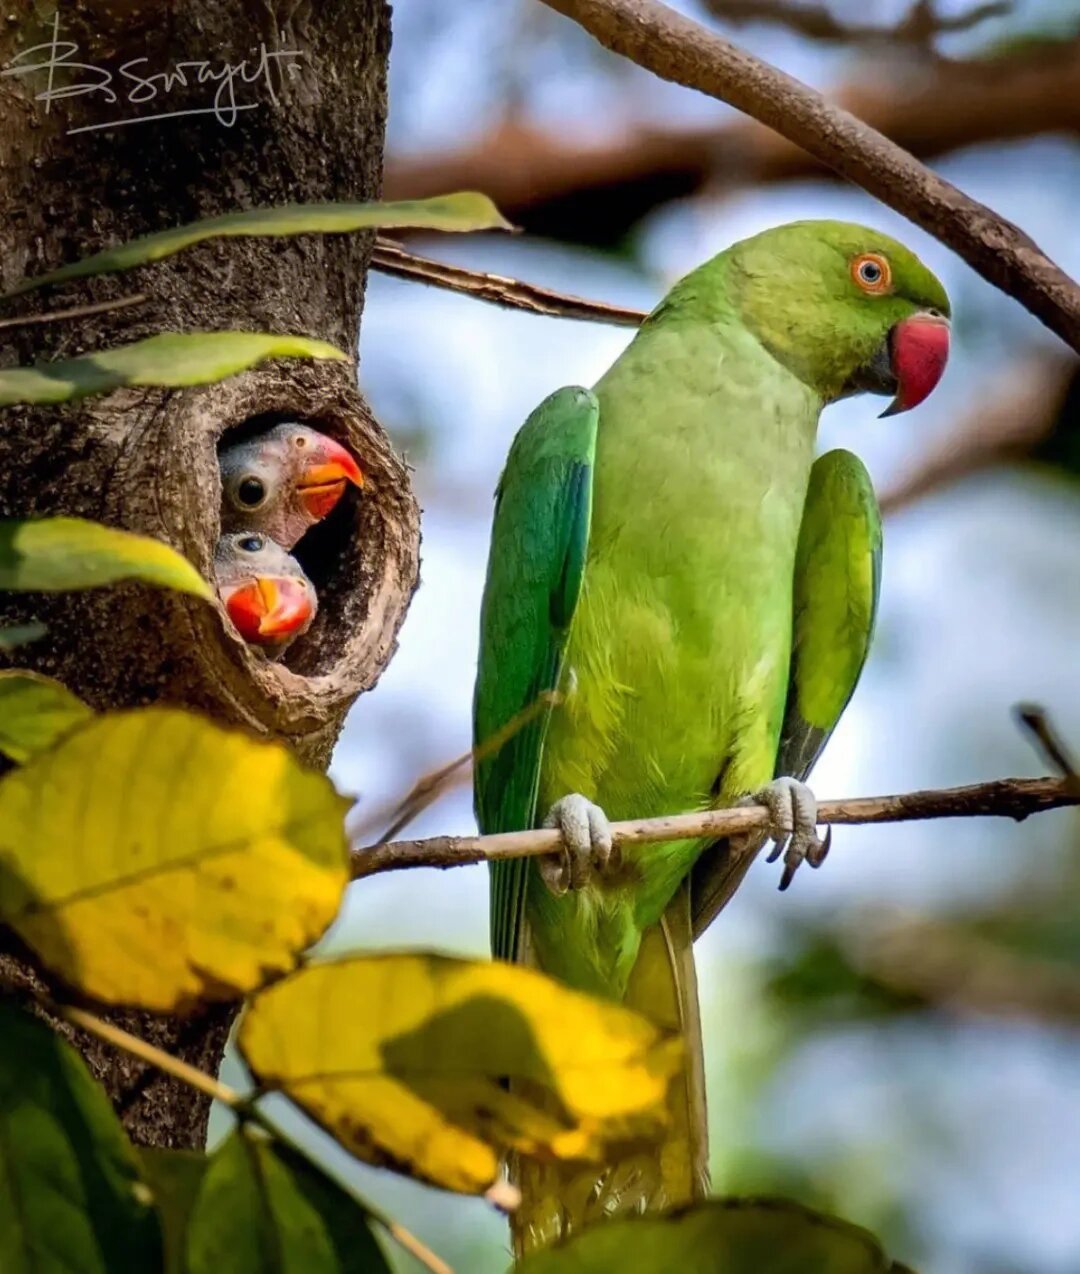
(147,459)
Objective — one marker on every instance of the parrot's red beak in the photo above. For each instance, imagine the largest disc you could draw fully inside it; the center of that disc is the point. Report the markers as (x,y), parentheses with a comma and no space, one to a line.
(918,352)
(322,484)
(268,609)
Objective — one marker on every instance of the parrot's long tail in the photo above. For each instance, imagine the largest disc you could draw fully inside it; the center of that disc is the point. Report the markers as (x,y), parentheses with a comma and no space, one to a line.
(559,1199)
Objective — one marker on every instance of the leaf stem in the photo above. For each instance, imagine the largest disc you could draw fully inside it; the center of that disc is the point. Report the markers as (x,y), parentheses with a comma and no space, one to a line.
(244,1108)
(146,1052)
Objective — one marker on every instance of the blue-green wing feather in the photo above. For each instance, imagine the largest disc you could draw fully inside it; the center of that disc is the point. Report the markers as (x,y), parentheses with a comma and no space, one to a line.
(837,581)
(539,543)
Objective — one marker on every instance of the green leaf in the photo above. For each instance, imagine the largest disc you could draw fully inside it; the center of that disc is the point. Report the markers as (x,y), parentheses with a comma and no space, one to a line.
(463,211)
(174,1178)
(418,1081)
(170,359)
(71,1198)
(720,1236)
(20,635)
(35,713)
(172,862)
(52,555)
(261,1207)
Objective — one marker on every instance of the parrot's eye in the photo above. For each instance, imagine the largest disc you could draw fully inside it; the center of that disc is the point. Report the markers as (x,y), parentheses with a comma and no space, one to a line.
(252,543)
(300,441)
(250,492)
(871,272)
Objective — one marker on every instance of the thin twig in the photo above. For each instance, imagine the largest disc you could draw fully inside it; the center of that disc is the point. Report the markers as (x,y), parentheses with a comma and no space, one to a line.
(76,311)
(389,258)
(1007,798)
(429,787)
(146,1052)
(676,48)
(1053,748)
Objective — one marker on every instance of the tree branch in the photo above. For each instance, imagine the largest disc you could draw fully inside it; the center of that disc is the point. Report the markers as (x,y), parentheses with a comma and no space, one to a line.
(1005,798)
(678,49)
(390,258)
(918,26)
(595,190)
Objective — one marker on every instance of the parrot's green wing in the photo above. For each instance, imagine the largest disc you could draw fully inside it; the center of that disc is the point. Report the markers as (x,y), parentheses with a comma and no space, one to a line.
(837,579)
(535,568)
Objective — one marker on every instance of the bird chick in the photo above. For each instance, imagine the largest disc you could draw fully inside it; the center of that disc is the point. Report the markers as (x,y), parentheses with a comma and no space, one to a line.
(282,482)
(264,591)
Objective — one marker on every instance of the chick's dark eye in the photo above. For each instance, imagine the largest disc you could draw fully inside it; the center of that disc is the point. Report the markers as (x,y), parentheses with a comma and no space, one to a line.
(250,492)
(252,543)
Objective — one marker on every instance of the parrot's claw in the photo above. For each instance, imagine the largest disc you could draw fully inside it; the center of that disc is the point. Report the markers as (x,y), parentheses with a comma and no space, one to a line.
(587,844)
(793,825)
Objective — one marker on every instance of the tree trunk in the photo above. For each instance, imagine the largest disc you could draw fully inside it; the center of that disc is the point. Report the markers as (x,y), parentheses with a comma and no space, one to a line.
(146,459)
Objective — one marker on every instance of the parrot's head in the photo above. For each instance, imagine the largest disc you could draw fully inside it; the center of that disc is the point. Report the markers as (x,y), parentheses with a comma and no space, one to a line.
(263,589)
(846,308)
(283,481)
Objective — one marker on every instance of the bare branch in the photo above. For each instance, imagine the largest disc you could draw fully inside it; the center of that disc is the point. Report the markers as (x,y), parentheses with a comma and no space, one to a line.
(1005,798)
(76,311)
(595,189)
(678,49)
(918,26)
(390,258)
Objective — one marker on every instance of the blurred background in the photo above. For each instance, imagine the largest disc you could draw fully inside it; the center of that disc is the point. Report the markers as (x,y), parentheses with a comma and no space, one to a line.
(898,1038)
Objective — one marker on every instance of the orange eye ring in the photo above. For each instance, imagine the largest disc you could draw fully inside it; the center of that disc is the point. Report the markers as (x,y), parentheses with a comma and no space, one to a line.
(872,273)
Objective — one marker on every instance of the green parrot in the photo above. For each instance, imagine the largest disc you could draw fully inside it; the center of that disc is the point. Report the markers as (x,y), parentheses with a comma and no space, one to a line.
(669,558)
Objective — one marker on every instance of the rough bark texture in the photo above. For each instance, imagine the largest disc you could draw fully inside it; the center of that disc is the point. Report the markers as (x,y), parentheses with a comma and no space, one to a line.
(146,460)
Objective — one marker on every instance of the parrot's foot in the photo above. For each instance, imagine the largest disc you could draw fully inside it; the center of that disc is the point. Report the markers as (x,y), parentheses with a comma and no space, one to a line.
(587,846)
(793,825)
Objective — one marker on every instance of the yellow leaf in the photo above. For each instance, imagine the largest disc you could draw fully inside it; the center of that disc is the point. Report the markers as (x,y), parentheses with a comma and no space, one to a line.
(401,1058)
(57,554)
(155,859)
(36,712)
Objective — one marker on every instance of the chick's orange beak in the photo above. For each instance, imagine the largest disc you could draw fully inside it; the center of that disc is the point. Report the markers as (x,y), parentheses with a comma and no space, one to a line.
(267,609)
(322,484)
(918,351)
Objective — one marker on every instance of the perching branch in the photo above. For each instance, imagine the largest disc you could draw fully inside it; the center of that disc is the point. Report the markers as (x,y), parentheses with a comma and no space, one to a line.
(390,258)
(678,49)
(1005,798)
(917,27)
